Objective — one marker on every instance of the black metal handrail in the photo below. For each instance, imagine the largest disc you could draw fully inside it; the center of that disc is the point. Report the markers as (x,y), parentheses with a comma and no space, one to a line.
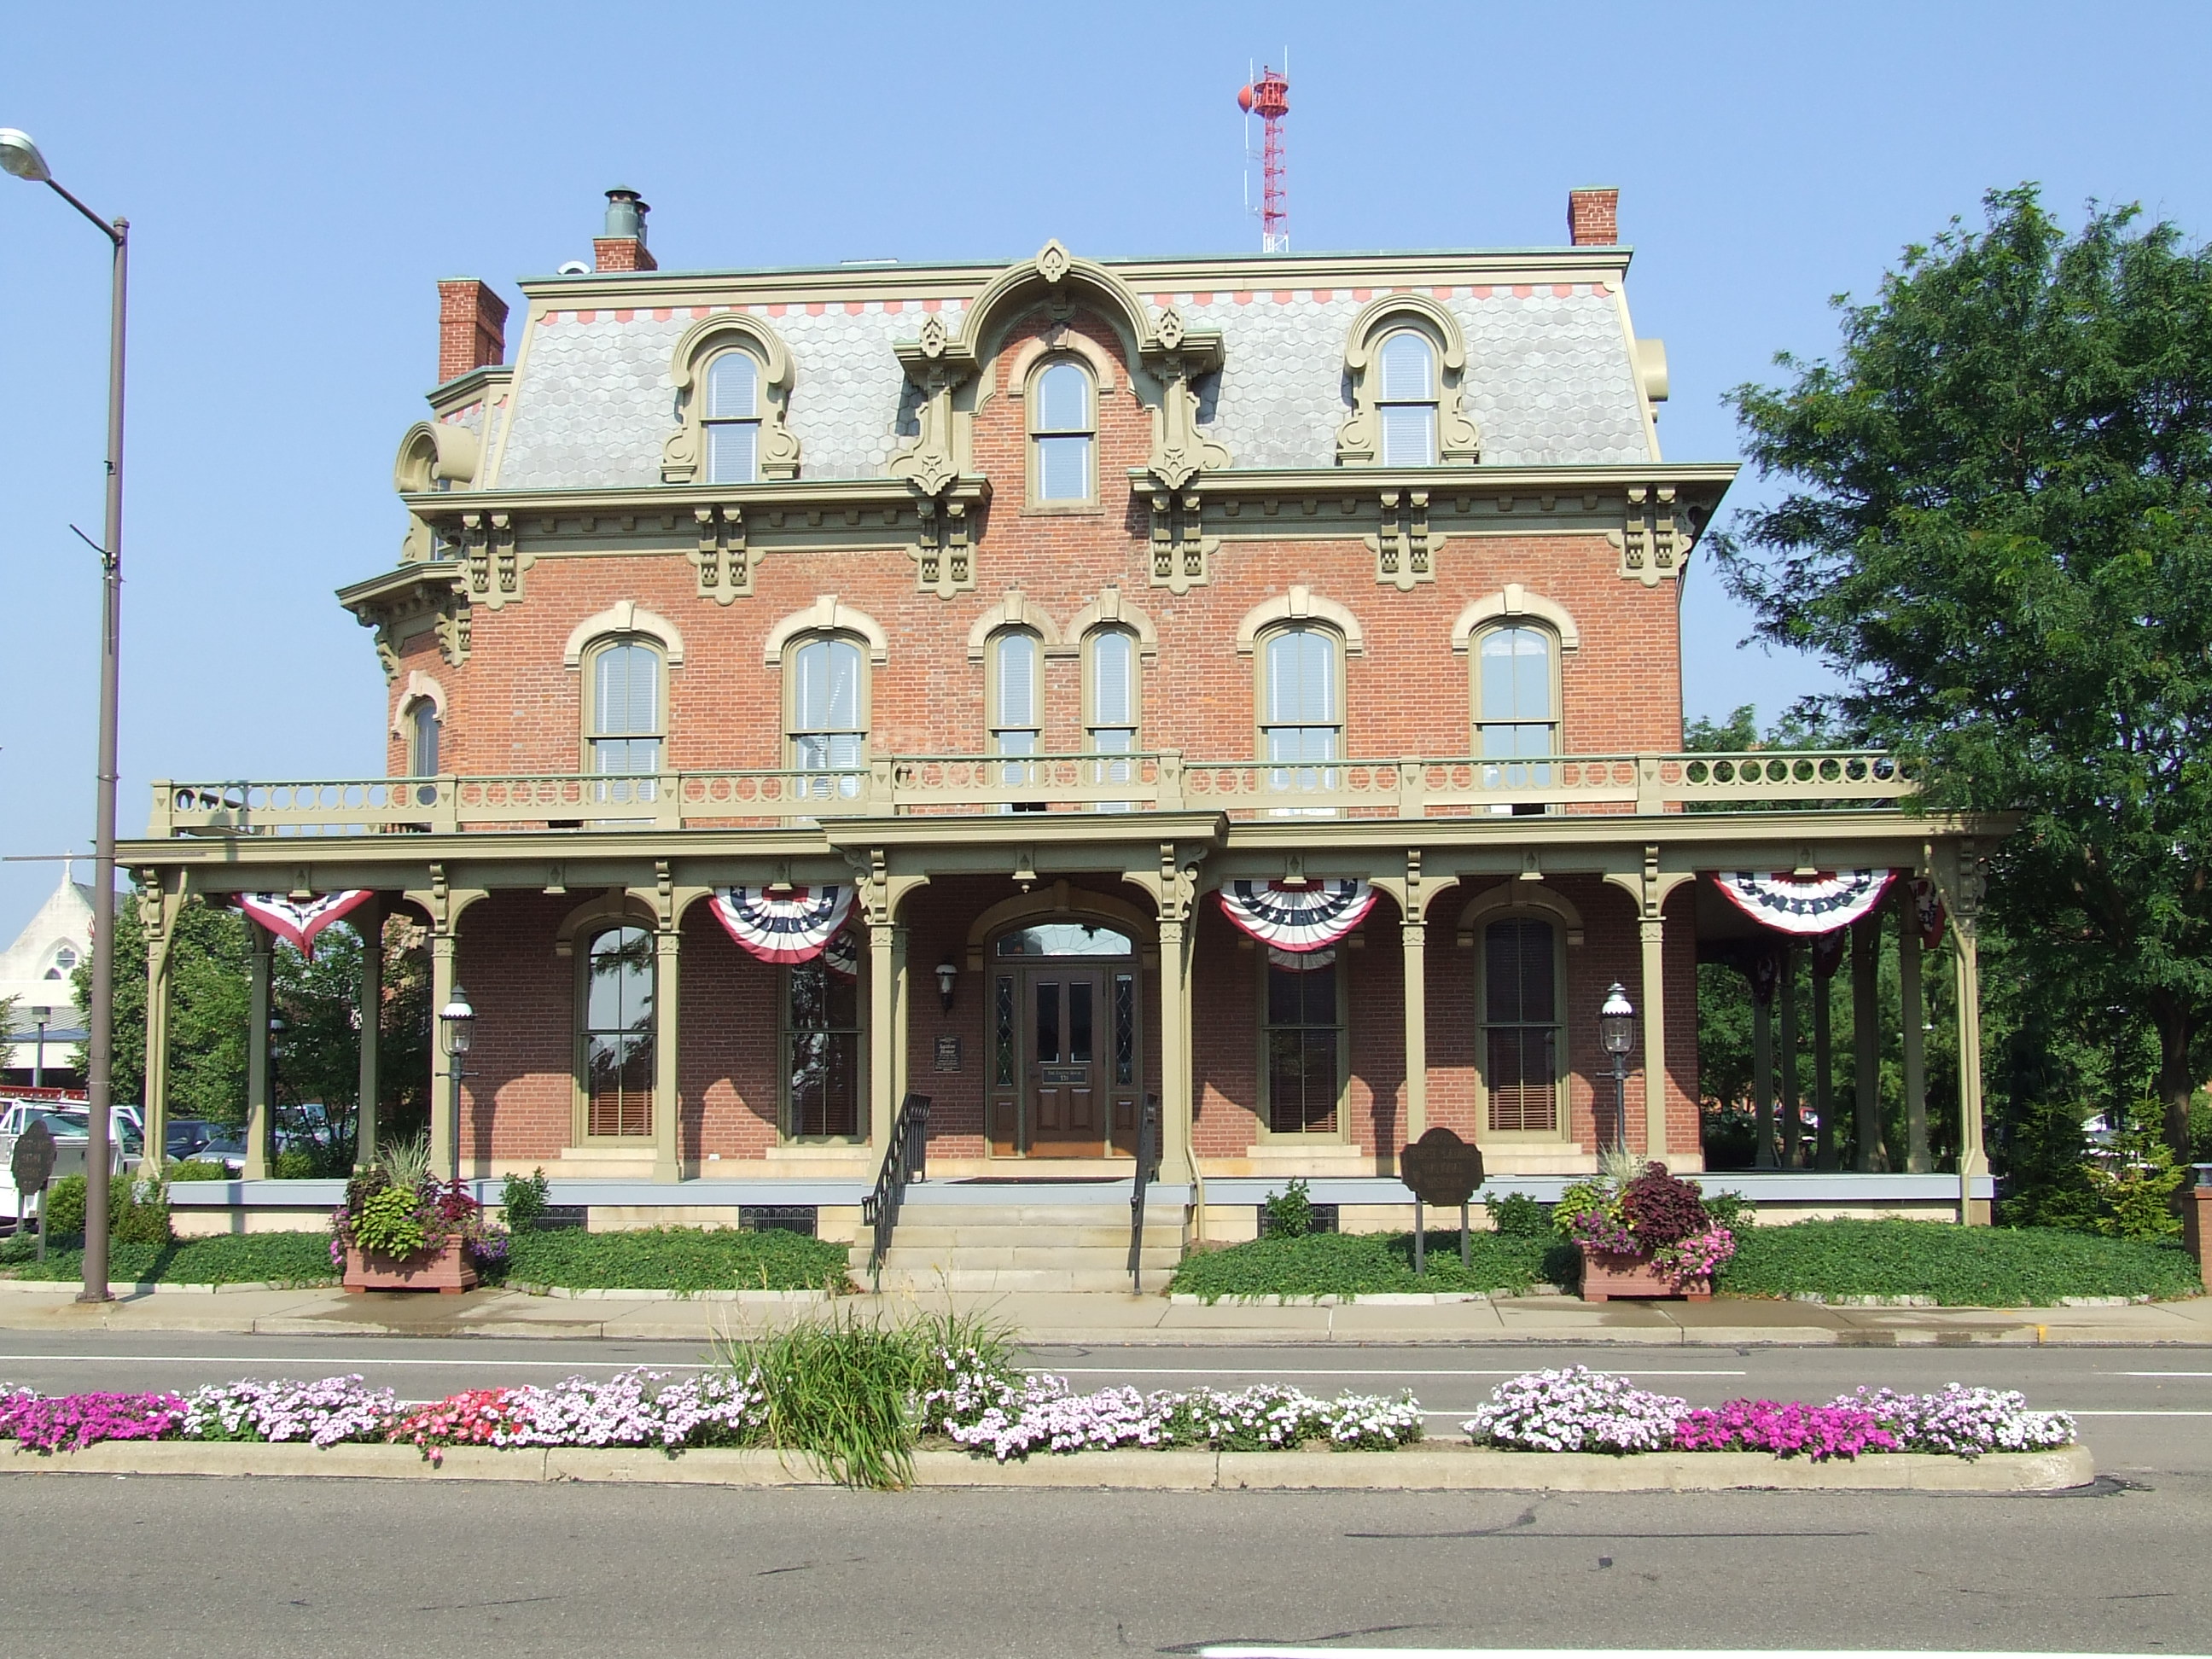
(906,1159)
(1148,1171)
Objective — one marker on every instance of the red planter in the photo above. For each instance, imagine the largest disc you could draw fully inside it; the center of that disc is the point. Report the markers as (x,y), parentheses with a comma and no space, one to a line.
(448,1270)
(1606,1277)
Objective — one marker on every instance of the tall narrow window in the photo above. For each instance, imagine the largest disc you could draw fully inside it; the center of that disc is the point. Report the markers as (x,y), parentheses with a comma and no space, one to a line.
(626,729)
(422,734)
(823,1053)
(1407,405)
(1301,702)
(1017,702)
(828,703)
(1517,705)
(733,419)
(1109,721)
(617,1038)
(1521,1024)
(1304,1036)
(1062,426)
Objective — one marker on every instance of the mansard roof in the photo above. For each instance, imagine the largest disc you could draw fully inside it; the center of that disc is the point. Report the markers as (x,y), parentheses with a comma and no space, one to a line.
(1551,376)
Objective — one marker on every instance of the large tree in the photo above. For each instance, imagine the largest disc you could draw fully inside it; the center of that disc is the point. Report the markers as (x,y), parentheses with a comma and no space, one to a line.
(1994,530)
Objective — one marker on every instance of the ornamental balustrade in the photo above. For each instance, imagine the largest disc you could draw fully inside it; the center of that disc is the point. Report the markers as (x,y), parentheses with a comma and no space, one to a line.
(962,785)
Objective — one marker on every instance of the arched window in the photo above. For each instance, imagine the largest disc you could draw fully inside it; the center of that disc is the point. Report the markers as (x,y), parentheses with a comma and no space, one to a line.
(1110,723)
(1522,1039)
(1516,704)
(733,418)
(422,734)
(1015,695)
(1063,424)
(614,1040)
(822,1053)
(1303,1035)
(826,710)
(626,726)
(1301,697)
(1408,400)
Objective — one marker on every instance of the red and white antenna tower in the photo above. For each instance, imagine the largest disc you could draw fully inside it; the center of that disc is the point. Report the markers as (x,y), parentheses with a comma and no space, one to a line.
(1269,98)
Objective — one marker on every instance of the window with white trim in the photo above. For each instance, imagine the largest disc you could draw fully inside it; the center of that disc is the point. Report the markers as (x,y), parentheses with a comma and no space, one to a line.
(1516,704)
(733,418)
(423,730)
(1110,704)
(627,728)
(826,711)
(1301,694)
(1062,404)
(1407,404)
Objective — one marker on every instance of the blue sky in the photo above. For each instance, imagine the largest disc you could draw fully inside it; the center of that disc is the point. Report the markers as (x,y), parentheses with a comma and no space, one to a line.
(298,178)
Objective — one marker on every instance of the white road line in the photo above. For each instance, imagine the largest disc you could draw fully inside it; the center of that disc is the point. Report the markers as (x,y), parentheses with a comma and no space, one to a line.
(367,1361)
(2154,1373)
(2071,1413)
(1277,1371)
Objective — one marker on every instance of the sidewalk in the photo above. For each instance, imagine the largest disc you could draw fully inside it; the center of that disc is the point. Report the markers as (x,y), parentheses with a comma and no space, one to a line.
(1086,1319)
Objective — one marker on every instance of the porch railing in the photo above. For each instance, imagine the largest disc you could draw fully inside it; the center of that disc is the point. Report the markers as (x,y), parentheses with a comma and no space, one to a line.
(1159,781)
(906,1159)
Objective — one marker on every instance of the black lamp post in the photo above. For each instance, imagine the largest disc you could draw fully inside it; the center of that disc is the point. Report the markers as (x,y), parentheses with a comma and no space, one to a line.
(455,1031)
(1616,1034)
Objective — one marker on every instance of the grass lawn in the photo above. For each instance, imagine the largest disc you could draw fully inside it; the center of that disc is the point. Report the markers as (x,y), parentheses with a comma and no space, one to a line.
(231,1259)
(676,1259)
(1959,1266)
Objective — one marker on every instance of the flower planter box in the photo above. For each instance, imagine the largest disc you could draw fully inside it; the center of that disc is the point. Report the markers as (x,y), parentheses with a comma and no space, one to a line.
(1606,1277)
(448,1269)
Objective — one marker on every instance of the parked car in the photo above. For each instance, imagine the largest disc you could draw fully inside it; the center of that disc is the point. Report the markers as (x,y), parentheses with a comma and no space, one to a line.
(184,1136)
(226,1147)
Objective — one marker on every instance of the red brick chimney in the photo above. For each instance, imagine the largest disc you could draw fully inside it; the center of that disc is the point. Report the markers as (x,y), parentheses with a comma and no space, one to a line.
(471,327)
(623,247)
(1593,216)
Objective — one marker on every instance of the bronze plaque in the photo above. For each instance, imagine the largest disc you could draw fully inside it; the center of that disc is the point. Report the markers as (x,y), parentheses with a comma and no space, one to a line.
(1440,1168)
(32,1163)
(948,1054)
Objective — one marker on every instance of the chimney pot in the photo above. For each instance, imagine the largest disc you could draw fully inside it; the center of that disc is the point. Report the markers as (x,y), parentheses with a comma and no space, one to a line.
(471,327)
(621,246)
(1593,216)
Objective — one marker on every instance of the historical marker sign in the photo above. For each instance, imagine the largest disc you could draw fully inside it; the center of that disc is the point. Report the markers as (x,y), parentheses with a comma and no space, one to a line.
(1440,1168)
(948,1054)
(32,1163)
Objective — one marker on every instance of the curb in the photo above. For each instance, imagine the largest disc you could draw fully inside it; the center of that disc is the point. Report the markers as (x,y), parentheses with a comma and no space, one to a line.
(1442,1467)
(562,1293)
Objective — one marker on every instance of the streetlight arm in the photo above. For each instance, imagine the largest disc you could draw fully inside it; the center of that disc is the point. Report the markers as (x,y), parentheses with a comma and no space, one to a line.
(114,232)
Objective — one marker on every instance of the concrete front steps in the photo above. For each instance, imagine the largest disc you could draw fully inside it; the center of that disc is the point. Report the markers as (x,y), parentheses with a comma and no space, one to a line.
(982,1237)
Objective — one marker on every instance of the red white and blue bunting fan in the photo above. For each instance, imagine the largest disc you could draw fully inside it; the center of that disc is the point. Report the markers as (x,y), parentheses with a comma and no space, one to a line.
(1817,903)
(789,926)
(299,920)
(1308,961)
(842,956)
(1928,912)
(1297,916)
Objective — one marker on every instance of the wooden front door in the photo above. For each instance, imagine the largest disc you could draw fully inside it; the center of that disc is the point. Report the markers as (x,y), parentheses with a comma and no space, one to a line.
(1063,1060)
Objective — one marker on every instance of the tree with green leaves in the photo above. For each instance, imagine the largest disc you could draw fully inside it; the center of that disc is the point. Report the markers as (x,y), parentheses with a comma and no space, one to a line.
(1996,531)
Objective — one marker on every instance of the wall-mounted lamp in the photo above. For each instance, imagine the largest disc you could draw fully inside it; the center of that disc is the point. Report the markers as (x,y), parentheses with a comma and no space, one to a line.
(948,975)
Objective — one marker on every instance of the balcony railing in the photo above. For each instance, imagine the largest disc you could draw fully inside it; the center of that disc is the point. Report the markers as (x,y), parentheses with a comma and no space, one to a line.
(961,785)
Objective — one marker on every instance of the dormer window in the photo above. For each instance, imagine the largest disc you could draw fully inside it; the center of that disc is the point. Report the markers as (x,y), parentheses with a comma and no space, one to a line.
(1063,426)
(1407,405)
(733,418)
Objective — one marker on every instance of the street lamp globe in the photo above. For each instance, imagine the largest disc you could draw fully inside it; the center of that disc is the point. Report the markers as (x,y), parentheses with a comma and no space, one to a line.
(1616,1021)
(20,157)
(457,1022)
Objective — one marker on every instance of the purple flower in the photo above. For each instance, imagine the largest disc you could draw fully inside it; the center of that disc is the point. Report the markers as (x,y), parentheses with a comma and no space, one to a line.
(70,1422)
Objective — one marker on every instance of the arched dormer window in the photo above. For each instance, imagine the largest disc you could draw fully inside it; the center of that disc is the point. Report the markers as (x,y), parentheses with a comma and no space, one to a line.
(1516,704)
(424,729)
(1063,422)
(826,712)
(1404,362)
(733,418)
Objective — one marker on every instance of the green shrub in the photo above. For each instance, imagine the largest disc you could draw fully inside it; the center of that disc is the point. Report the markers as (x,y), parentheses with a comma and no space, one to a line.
(1517,1215)
(62,1209)
(138,1212)
(1959,1266)
(198,1169)
(288,1258)
(2137,1188)
(676,1259)
(1730,1210)
(388,1223)
(296,1163)
(1287,1214)
(523,1199)
(1368,1264)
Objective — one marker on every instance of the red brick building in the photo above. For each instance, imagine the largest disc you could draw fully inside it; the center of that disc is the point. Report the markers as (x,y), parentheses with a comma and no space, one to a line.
(1000,622)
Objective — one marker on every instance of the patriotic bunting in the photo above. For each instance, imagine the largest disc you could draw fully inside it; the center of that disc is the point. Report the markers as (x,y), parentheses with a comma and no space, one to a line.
(793,925)
(1308,961)
(1818,903)
(300,920)
(1298,917)
(842,956)
(1928,911)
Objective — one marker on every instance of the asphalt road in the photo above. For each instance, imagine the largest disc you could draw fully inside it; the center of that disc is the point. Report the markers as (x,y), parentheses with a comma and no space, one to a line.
(2144,1412)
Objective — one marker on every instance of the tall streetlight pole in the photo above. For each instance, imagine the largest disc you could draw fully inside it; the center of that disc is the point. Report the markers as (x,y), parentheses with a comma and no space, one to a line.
(20,157)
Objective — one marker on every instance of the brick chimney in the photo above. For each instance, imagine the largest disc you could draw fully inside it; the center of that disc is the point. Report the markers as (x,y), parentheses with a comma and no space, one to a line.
(623,247)
(471,327)
(1593,216)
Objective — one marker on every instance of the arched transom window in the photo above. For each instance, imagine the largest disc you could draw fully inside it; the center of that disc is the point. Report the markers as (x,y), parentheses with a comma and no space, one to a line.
(733,418)
(1407,401)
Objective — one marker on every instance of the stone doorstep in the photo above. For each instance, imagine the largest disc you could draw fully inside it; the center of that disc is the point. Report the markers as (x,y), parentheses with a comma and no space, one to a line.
(1436,1466)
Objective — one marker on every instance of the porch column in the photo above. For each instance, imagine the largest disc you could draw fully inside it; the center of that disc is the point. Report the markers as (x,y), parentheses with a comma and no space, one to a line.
(1654,931)
(1176,1160)
(1414,936)
(369,920)
(902,1014)
(1917,1158)
(1965,897)
(444,951)
(1823,1092)
(1866,1042)
(1793,1112)
(667,1108)
(157,916)
(883,1033)
(257,1055)
(1762,1072)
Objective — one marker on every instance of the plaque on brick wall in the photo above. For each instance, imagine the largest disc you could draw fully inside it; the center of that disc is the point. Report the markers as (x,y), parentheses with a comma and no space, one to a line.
(948,1054)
